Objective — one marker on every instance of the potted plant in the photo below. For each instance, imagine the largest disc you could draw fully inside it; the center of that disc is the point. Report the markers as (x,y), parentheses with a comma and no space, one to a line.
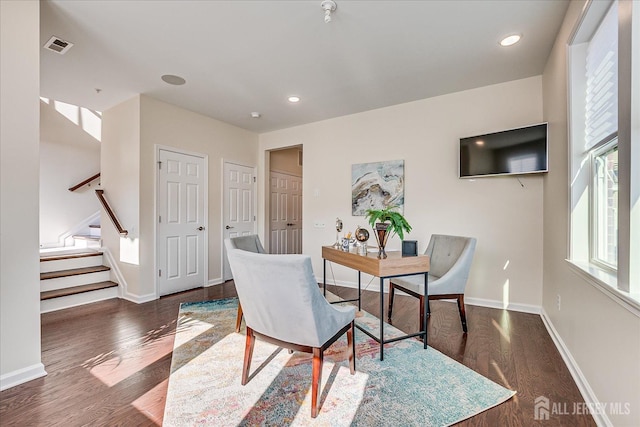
(385,222)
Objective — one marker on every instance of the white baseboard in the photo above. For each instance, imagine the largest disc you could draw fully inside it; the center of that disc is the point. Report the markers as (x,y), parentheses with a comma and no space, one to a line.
(21,376)
(115,270)
(139,299)
(523,308)
(214,282)
(123,287)
(588,395)
(375,286)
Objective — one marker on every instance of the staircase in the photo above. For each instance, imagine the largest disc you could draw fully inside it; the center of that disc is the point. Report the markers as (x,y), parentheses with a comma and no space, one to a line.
(72,276)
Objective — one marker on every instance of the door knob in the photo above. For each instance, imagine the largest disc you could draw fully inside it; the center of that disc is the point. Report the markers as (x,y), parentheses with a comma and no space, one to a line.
(228,227)
(200,228)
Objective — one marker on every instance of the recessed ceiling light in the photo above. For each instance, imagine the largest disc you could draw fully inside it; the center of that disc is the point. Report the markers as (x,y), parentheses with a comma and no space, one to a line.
(510,40)
(294,99)
(255,115)
(173,80)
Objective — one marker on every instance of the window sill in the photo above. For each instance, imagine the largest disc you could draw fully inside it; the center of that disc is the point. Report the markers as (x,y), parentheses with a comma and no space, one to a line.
(607,283)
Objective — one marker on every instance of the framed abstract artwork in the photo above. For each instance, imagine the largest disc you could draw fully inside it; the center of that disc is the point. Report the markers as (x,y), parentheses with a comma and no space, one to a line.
(376,186)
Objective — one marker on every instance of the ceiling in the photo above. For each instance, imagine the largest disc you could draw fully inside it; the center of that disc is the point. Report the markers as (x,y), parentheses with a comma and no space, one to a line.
(240,57)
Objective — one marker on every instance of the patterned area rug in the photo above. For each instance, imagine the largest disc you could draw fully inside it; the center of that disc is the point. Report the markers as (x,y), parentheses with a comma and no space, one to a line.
(412,386)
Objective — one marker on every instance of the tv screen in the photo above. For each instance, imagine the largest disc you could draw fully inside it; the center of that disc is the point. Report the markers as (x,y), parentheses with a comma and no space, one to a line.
(509,152)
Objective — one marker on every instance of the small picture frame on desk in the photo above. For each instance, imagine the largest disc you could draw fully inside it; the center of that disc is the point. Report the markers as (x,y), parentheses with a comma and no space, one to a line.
(409,248)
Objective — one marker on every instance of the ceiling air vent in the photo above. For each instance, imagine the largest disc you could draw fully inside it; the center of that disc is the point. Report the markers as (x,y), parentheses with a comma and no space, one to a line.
(58,45)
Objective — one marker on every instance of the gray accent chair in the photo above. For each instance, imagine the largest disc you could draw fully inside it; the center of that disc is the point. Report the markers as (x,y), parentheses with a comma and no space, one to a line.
(250,243)
(283,305)
(451,258)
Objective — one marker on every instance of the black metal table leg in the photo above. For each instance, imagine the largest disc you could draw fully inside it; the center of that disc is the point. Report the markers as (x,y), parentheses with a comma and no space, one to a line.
(359,292)
(324,277)
(381,318)
(426,308)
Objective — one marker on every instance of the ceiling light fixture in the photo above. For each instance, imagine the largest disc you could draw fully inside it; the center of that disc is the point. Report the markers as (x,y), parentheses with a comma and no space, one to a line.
(294,99)
(255,115)
(510,40)
(173,80)
(328,6)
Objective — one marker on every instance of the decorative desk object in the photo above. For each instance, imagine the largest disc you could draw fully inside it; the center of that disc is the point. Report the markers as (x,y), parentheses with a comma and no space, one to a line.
(338,242)
(386,222)
(362,235)
(409,247)
(347,241)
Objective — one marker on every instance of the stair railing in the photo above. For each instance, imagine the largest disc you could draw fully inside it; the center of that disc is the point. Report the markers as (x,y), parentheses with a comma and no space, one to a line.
(85,182)
(112,215)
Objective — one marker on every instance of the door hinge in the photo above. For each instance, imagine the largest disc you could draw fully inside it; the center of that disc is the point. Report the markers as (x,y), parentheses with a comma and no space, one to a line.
(159,273)
(159,165)
(254,179)
(254,217)
(159,218)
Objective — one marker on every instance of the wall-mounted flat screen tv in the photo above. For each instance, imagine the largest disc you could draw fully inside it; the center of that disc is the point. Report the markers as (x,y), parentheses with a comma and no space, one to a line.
(509,152)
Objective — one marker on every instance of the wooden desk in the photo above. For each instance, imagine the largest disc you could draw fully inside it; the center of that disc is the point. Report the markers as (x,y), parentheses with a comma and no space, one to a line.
(395,265)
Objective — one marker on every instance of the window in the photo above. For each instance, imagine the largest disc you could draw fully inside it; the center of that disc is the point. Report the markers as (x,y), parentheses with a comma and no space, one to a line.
(604,142)
(604,215)
(600,139)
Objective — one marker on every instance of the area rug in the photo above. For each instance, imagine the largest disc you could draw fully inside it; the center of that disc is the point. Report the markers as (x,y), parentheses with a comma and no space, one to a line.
(411,386)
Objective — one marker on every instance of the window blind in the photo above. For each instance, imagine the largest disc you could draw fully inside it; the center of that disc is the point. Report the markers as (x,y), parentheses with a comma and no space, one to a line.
(601,115)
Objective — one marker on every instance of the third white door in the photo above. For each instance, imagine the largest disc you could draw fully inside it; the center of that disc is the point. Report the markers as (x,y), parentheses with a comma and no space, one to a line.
(286,214)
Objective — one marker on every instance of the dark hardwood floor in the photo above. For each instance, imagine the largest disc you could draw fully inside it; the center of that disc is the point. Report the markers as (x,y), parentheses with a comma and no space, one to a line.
(108,362)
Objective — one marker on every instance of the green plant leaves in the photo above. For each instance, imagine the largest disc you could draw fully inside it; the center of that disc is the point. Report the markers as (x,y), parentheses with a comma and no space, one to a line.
(397,223)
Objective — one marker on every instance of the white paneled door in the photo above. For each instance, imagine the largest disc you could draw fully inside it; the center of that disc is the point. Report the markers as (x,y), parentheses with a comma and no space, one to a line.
(181,222)
(239,213)
(286,214)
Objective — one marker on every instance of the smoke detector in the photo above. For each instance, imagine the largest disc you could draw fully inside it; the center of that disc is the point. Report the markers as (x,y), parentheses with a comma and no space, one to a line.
(57,45)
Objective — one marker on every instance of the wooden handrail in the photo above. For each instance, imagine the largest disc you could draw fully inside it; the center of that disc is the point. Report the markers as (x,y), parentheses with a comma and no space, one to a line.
(86,181)
(112,215)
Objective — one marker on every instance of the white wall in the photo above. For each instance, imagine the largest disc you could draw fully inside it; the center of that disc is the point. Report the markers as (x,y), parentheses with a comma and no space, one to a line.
(19,263)
(286,161)
(504,216)
(68,155)
(131,132)
(168,125)
(601,336)
(120,180)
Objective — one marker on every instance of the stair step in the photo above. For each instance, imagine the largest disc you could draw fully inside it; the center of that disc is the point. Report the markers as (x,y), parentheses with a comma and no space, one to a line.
(86,237)
(73,272)
(94,225)
(58,257)
(57,293)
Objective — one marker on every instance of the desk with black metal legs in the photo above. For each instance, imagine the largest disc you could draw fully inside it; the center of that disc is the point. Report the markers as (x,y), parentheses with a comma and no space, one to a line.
(395,265)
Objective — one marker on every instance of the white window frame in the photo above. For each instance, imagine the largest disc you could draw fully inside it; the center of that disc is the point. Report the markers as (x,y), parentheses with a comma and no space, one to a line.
(621,284)
(605,146)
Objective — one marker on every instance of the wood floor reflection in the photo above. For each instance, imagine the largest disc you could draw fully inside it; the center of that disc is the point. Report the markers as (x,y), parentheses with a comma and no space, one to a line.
(108,363)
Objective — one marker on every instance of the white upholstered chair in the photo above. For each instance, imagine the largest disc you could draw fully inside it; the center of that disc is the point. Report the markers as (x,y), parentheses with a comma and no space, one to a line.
(283,305)
(451,258)
(249,243)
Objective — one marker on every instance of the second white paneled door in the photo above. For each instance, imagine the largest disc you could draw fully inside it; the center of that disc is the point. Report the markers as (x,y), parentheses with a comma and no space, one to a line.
(181,223)
(286,214)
